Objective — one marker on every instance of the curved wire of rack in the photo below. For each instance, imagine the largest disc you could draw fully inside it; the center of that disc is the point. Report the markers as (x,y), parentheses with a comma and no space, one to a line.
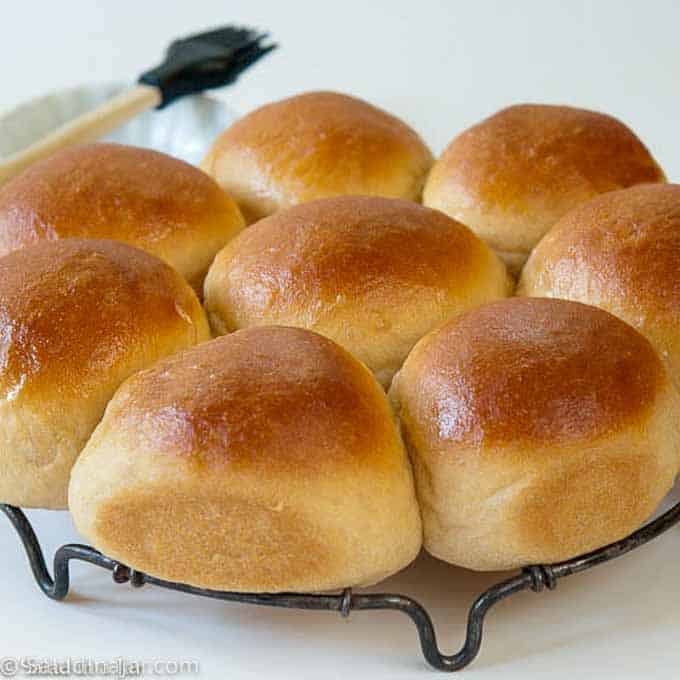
(535,578)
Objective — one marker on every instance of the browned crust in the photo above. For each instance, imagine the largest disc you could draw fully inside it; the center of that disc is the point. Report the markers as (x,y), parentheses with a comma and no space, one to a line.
(316,145)
(512,176)
(373,274)
(530,370)
(622,247)
(141,197)
(310,261)
(266,398)
(73,311)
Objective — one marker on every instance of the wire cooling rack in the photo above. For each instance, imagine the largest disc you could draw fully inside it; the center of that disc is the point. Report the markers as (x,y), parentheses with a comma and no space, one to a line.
(536,578)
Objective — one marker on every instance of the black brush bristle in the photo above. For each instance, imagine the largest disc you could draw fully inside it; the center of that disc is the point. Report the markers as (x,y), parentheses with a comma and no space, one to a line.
(227,35)
(206,60)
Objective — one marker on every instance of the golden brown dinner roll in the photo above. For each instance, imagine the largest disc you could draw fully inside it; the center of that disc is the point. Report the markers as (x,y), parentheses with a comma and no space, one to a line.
(316,145)
(512,176)
(147,199)
(620,252)
(538,430)
(374,274)
(77,317)
(266,460)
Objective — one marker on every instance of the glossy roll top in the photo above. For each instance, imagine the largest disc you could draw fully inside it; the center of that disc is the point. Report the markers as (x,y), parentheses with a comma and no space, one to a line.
(512,176)
(316,145)
(373,274)
(108,191)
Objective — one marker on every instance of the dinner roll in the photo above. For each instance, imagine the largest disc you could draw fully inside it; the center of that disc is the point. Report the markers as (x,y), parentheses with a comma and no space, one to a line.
(141,197)
(267,460)
(374,274)
(316,145)
(538,430)
(620,252)
(77,317)
(512,176)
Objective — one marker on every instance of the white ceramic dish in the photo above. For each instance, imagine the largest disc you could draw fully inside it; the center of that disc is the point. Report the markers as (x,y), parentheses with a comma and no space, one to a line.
(185,129)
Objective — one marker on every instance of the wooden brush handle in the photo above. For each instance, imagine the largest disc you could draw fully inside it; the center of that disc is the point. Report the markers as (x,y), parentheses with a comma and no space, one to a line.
(86,128)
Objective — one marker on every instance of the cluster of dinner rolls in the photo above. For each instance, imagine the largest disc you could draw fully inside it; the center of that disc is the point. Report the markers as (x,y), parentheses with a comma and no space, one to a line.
(371,387)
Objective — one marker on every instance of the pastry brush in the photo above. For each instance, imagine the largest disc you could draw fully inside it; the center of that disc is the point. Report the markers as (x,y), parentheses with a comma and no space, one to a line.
(193,64)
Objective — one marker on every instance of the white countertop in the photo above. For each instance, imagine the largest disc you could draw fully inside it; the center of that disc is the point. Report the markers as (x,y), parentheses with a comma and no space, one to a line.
(441,66)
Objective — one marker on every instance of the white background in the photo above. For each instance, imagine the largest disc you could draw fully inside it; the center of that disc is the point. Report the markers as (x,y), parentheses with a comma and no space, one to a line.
(441,66)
